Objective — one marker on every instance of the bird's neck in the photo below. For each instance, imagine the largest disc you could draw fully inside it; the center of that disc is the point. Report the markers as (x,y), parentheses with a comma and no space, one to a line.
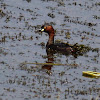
(51,38)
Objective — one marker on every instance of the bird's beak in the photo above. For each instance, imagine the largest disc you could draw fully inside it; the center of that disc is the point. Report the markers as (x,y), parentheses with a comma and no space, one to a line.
(42,30)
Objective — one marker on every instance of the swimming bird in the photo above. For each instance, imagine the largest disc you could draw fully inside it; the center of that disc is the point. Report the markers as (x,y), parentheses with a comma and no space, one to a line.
(56,47)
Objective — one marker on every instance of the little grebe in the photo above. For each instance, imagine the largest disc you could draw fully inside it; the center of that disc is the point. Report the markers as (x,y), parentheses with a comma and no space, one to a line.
(58,47)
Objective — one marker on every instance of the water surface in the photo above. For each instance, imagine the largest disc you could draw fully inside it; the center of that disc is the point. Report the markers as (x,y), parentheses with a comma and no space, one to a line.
(74,22)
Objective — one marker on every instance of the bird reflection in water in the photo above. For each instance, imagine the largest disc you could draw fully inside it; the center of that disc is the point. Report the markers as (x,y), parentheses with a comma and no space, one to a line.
(49,62)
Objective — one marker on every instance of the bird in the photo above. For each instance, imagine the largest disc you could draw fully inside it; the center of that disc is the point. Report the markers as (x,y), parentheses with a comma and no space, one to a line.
(63,48)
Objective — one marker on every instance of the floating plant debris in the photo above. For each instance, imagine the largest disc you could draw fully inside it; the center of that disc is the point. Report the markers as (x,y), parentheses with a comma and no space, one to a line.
(91,74)
(51,15)
(2,14)
(55,64)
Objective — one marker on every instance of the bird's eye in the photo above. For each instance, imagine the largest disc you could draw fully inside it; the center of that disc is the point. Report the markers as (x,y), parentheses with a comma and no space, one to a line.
(44,27)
